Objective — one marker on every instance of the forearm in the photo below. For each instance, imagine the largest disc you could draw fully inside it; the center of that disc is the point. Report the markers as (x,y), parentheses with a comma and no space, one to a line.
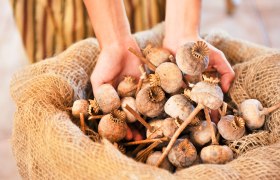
(109,20)
(182,19)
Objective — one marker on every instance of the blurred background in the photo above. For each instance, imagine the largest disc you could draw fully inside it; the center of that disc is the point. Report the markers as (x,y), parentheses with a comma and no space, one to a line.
(253,20)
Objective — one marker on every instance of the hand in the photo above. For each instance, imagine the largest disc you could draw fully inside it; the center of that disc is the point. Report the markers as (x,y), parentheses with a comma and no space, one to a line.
(113,63)
(217,60)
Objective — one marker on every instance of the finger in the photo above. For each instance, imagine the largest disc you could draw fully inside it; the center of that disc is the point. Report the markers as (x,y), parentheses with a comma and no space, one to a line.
(226,80)
(129,134)
(136,135)
(220,63)
(96,82)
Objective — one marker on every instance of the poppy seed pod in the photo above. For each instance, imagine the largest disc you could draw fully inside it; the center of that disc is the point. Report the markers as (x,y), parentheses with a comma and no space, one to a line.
(183,153)
(157,126)
(153,158)
(127,87)
(150,101)
(113,126)
(201,134)
(216,154)
(250,110)
(168,76)
(231,127)
(178,106)
(80,106)
(156,55)
(208,93)
(107,98)
(192,58)
(132,103)
(169,127)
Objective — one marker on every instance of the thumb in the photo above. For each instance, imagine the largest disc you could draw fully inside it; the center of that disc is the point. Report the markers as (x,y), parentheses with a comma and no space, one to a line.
(95,82)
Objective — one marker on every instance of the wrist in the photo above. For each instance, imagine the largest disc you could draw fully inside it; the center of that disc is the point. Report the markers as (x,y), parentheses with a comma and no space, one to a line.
(116,39)
(120,45)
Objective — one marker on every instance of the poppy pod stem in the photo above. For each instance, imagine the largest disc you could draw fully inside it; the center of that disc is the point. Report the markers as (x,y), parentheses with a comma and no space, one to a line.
(94,117)
(143,59)
(208,119)
(142,156)
(141,79)
(266,111)
(178,132)
(82,120)
(146,141)
(139,118)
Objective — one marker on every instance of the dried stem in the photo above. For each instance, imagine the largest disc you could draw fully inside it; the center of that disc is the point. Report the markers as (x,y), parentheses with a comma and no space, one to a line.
(137,149)
(82,121)
(141,146)
(208,119)
(223,112)
(146,141)
(172,58)
(224,109)
(139,118)
(266,111)
(95,117)
(144,60)
(141,79)
(142,156)
(178,132)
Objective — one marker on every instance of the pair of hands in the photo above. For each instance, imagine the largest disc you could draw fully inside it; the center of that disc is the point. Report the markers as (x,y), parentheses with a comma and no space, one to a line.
(115,61)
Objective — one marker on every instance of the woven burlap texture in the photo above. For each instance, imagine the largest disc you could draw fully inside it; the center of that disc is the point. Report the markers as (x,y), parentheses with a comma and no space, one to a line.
(48,145)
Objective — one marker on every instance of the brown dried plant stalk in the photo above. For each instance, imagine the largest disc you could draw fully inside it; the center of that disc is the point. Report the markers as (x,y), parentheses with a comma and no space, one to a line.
(139,118)
(146,141)
(142,156)
(143,59)
(142,78)
(178,132)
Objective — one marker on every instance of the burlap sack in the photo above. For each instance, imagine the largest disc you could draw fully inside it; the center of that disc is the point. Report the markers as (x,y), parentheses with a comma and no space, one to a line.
(48,145)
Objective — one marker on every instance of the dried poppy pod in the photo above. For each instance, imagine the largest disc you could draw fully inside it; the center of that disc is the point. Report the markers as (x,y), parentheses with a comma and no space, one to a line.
(178,106)
(163,128)
(127,87)
(168,76)
(132,103)
(157,55)
(93,108)
(153,158)
(254,114)
(113,126)
(80,106)
(208,93)
(201,104)
(157,129)
(192,58)
(169,127)
(216,154)
(183,153)
(201,134)
(231,127)
(107,98)
(150,101)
